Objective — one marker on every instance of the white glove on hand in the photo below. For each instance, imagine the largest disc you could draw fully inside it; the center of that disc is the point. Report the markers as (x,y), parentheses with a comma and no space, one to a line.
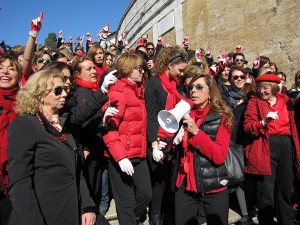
(126,166)
(157,154)
(179,136)
(109,112)
(109,79)
(161,145)
(270,116)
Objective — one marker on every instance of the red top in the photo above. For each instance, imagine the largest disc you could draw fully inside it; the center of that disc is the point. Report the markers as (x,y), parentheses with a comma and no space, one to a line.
(282,125)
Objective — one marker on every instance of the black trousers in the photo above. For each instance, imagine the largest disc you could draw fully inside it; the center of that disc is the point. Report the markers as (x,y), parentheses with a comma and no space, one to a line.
(274,192)
(132,194)
(187,206)
(5,210)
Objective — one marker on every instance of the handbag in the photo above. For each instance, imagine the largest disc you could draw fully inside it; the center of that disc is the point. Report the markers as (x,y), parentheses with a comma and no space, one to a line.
(234,163)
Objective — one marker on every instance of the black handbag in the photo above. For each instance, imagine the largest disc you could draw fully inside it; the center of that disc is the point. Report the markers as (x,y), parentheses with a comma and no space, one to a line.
(235,164)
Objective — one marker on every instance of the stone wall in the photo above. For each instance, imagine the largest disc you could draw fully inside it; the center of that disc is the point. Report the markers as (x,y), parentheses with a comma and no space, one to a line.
(270,28)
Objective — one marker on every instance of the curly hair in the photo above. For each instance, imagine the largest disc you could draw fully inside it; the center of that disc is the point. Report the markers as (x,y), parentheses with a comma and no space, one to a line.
(217,104)
(170,55)
(37,86)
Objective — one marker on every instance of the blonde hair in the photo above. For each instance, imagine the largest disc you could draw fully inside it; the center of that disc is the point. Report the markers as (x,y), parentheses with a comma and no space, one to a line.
(274,87)
(29,97)
(126,62)
(217,104)
(169,55)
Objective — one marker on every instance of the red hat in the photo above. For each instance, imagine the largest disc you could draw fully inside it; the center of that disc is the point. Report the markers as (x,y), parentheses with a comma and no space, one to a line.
(268,78)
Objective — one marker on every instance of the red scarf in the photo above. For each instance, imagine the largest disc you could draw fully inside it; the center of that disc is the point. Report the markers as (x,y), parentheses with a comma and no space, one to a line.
(93,86)
(7,103)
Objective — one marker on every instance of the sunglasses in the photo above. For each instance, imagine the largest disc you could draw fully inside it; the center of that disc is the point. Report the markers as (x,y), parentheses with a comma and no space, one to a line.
(239,60)
(243,77)
(198,87)
(59,89)
(150,49)
(139,68)
(42,60)
(78,49)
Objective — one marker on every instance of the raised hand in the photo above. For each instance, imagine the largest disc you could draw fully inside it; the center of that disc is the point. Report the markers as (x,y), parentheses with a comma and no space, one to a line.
(36,25)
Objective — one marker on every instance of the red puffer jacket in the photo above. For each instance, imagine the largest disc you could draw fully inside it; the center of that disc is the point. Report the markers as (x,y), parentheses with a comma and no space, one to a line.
(126,137)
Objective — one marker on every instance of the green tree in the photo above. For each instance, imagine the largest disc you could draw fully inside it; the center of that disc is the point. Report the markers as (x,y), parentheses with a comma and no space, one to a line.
(51,40)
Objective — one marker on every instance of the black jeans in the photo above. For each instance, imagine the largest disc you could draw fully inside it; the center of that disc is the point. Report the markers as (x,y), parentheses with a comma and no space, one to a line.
(274,192)
(132,194)
(216,207)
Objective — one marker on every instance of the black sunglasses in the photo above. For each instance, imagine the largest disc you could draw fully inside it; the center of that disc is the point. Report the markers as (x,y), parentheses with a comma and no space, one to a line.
(78,49)
(42,60)
(70,78)
(198,87)
(150,49)
(59,89)
(237,60)
(243,77)
(139,68)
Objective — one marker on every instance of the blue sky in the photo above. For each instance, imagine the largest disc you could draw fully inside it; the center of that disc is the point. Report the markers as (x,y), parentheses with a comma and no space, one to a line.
(75,18)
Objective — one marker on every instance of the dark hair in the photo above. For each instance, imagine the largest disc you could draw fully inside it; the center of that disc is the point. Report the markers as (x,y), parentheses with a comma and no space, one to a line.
(58,66)
(138,48)
(58,55)
(149,43)
(230,55)
(263,60)
(237,54)
(234,68)
(274,64)
(283,75)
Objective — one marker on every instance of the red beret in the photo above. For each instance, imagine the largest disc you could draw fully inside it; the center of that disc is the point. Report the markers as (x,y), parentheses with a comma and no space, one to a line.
(268,78)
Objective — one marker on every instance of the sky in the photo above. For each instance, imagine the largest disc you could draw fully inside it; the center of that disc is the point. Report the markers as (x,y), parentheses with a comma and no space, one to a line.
(75,18)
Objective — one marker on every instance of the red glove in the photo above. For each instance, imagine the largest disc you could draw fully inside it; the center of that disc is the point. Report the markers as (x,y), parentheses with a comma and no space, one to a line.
(121,40)
(198,55)
(36,26)
(71,39)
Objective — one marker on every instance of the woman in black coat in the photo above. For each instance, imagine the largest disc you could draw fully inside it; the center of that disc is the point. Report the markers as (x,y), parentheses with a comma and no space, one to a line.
(46,185)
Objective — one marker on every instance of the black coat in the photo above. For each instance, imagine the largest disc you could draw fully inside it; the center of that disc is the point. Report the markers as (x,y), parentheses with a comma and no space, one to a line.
(46,185)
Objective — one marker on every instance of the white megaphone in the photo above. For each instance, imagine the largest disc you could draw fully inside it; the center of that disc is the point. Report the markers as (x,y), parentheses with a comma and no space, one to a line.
(169,120)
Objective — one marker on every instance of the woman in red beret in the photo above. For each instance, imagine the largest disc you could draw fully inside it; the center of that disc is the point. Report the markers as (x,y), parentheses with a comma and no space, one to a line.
(272,150)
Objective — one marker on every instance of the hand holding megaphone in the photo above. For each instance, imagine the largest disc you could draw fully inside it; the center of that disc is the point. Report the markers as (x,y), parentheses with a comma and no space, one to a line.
(169,119)
(190,125)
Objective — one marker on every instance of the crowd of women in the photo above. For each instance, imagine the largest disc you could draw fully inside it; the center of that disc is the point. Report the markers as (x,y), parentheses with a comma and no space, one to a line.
(79,129)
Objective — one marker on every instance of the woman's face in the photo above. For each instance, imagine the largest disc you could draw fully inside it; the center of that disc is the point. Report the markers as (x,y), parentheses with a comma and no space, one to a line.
(199,93)
(67,76)
(225,74)
(99,56)
(88,72)
(54,100)
(176,70)
(9,75)
(281,78)
(265,91)
(109,60)
(136,74)
(238,79)
(40,62)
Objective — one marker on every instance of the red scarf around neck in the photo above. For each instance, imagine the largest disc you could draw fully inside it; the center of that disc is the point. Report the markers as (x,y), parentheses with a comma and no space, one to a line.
(7,104)
(93,86)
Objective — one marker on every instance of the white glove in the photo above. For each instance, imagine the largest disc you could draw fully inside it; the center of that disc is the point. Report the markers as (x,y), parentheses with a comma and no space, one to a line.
(161,145)
(270,116)
(109,79)
(179,136)
(126,166)
(109,112)
(157,154)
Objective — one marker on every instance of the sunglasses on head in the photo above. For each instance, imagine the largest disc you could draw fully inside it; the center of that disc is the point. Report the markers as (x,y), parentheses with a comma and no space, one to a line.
(42,60)
(243,77)
(239,60)
(58,90)
(198,87)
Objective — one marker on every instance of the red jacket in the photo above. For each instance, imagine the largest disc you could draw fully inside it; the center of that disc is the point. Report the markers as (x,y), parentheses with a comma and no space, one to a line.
(257,151)
(126,137)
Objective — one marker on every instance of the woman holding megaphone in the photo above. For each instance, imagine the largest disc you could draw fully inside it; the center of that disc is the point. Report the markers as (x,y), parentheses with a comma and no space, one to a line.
(161,94)
(202,174)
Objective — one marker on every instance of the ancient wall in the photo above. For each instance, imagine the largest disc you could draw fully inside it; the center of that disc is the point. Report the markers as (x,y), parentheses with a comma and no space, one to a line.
(265,27)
